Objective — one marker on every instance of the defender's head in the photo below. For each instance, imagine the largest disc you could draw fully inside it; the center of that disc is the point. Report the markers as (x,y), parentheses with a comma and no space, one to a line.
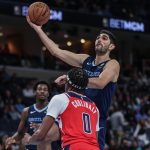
(77,80)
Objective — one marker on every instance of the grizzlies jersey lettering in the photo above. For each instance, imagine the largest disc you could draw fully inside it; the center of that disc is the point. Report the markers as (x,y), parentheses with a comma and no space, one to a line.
(79,120)
(34,116)
(102,97)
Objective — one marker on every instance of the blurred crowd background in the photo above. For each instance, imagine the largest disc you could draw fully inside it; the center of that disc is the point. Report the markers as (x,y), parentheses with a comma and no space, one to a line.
(128,126)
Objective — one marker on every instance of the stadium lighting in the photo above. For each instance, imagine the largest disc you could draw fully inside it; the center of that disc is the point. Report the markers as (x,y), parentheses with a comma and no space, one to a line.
(69,43)
(82,41)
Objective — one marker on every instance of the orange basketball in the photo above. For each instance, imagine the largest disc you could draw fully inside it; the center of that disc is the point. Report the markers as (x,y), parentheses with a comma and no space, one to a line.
(39,13)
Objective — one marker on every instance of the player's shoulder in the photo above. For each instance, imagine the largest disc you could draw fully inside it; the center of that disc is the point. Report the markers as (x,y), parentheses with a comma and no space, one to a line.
(60,97)
(26,109)
(57,96)
(113,62)
(24,113)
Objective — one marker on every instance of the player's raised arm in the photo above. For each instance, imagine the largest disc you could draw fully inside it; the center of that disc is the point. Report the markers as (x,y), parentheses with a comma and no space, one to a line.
(66,56)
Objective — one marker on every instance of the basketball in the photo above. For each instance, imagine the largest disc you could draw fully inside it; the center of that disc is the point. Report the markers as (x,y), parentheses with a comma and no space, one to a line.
(39,13)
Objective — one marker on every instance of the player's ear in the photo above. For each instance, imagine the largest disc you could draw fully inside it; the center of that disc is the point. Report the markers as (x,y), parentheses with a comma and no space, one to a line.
(112,46)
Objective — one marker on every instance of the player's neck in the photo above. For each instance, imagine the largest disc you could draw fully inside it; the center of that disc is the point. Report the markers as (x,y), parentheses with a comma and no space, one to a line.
(41,104)
(101,58)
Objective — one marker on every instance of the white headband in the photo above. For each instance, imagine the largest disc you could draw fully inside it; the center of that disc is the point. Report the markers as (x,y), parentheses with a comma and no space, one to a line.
(74,85)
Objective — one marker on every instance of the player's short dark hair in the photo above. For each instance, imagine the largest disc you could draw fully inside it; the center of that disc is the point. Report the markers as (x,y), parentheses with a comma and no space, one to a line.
(111,36)
(77,78)
(41,82)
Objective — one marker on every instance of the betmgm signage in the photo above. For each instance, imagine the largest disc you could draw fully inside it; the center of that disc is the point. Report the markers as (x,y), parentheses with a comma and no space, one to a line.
(133,26)
(56,15)
(66,16)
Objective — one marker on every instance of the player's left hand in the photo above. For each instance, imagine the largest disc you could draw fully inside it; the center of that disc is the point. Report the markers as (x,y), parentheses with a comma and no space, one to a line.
(34,26)
(26,139)
(9,141)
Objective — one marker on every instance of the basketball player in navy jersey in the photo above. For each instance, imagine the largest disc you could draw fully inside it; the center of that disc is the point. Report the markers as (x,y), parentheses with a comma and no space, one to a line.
(33,115)
(79,116)
(103,71)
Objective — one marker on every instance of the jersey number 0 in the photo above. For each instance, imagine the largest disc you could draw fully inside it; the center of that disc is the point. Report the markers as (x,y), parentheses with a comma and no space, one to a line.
(86,123)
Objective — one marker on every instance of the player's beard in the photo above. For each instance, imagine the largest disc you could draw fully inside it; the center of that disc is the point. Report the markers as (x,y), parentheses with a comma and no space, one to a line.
(101,50)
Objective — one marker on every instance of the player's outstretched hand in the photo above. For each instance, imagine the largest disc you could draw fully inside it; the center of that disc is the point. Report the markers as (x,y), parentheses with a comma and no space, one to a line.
(61,80)
(9,141)
(26,139)
(34,26)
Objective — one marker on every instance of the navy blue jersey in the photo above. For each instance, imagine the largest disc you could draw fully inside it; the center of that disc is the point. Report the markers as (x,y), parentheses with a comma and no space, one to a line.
(35,115)
(102,97)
